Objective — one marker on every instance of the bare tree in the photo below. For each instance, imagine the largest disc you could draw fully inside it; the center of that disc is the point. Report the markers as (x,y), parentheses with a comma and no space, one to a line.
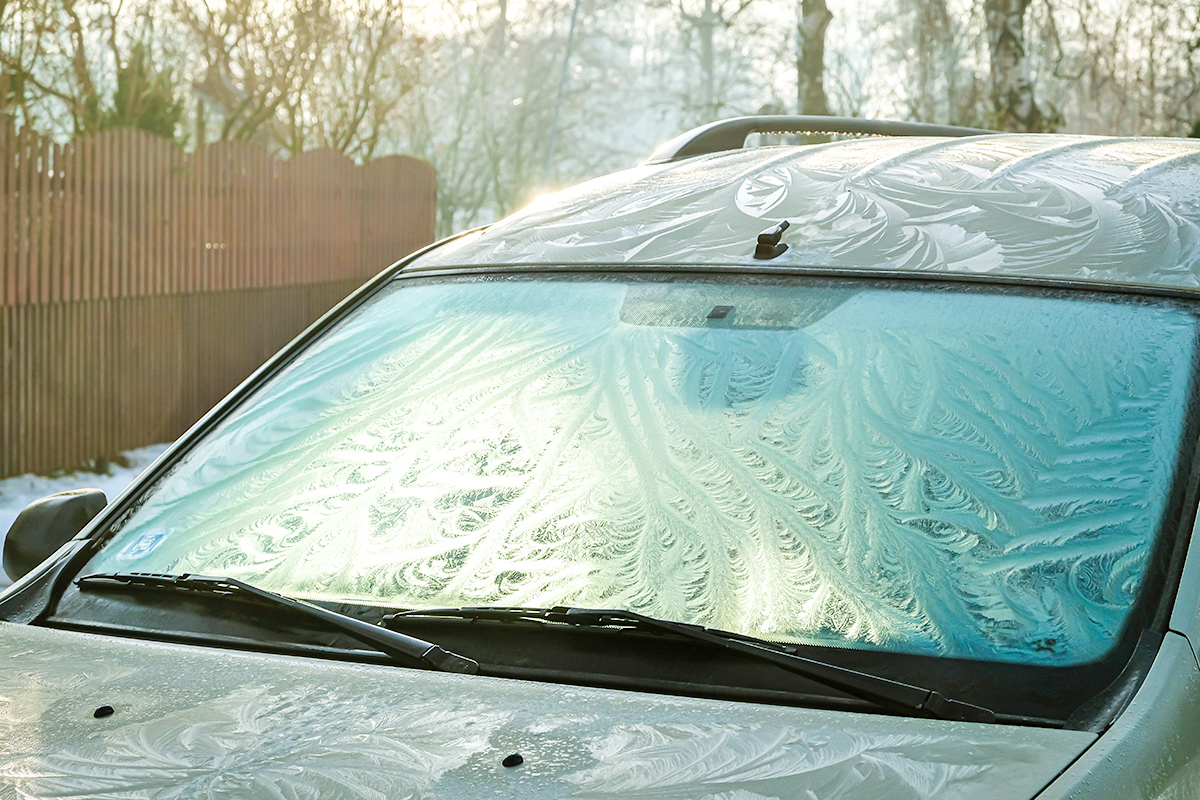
(1122,67)
(351,101)
(257,55)
(488,96)
(482,111)
(77,66)
(301,75)
(706,24)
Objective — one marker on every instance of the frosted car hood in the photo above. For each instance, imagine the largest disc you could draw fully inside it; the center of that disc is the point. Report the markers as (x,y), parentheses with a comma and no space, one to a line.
(198,722)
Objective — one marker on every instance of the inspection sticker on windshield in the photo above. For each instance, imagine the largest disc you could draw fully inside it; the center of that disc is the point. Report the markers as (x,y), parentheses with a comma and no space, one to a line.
(145,544)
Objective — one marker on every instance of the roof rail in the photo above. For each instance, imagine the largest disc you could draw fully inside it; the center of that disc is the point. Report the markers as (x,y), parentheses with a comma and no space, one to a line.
(730,134)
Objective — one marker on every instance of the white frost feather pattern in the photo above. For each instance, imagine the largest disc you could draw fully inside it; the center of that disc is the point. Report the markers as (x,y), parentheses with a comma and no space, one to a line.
(259,742)
(973,475)
(766,761)
(260,726)
(1073,207)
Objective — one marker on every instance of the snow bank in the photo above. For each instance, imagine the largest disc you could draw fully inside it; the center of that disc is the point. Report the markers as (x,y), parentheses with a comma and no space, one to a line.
(18,492)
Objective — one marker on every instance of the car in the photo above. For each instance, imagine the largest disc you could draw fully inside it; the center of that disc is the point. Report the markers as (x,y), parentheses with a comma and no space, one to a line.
(857,468)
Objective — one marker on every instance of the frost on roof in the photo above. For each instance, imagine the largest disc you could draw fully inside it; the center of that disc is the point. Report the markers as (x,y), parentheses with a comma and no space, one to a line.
(966,474)
(1080,208)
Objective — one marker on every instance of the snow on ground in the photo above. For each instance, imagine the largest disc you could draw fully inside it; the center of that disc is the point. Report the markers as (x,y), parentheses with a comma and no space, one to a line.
(18,492)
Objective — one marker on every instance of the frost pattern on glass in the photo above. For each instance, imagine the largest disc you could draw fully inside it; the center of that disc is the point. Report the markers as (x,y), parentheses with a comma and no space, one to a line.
(963,474)
(1076,207)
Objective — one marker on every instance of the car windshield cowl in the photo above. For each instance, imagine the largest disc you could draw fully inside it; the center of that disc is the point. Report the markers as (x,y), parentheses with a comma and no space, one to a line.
(394,644)
(889,694)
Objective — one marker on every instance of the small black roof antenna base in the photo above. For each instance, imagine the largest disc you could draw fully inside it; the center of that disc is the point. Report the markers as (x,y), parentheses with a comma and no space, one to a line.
(769,245)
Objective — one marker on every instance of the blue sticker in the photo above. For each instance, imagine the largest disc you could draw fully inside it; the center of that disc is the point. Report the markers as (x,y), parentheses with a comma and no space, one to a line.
(145,544)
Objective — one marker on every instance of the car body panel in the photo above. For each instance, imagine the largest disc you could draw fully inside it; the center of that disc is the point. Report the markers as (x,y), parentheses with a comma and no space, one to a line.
(204,722)
(1152,751)
(1048,206)
(1185,616)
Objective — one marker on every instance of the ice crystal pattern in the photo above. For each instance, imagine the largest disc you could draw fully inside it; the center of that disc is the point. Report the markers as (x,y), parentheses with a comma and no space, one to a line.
(759,761)
(261,742)
(1080,208)
(204,723)
(967,474)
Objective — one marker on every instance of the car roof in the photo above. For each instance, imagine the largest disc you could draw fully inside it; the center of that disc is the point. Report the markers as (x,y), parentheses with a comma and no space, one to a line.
(1037,206)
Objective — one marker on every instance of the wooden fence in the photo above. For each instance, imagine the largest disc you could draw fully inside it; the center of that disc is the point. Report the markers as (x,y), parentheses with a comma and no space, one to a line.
(139,284)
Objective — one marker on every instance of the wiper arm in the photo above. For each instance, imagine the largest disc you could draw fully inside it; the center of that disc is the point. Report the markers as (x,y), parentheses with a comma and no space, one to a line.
(881,691)
(397,645)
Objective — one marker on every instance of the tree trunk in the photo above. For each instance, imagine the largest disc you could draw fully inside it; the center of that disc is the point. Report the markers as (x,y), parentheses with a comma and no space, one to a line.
(934,65)
(500,31)
(707,29)
(810,58)
(1013,105)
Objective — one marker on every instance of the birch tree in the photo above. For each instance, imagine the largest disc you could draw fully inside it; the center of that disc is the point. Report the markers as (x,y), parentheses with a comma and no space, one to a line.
(1014,106)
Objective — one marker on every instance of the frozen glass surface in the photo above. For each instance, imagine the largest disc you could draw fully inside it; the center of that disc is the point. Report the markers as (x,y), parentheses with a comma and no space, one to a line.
(969,474)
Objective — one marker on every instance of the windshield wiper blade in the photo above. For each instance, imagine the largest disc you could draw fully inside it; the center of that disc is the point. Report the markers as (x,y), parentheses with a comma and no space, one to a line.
(863,685)
(397,645)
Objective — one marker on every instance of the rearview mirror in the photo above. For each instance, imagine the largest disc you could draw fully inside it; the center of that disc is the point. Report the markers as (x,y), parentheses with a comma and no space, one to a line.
(46,525)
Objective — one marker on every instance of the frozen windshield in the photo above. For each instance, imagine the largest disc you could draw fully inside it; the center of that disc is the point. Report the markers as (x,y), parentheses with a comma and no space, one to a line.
(969,474)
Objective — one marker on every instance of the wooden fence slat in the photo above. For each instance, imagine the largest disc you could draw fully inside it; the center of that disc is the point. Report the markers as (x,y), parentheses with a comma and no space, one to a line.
(171,230)
(209,271)
(21,237)
(8,276)
(104,186)
(64,216)
(8,463)
(139,284)
(127,171)
(161,206)
(20,222)
(124,218)
(91,263)
(147,260)
(236,262)
(20,333)
(58,240)
(45,201)
(187,281)
(135,211)
(100,213)
(78,234)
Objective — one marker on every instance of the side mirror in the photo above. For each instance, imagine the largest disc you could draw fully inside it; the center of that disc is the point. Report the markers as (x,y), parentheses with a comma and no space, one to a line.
(46,525)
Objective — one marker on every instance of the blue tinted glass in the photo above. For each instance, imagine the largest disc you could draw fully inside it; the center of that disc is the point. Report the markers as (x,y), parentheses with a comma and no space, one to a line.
(968,474)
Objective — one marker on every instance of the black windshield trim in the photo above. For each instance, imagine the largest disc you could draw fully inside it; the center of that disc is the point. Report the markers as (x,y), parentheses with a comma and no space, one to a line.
(674,270)
(881,691)
(394,644)
(757,696)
